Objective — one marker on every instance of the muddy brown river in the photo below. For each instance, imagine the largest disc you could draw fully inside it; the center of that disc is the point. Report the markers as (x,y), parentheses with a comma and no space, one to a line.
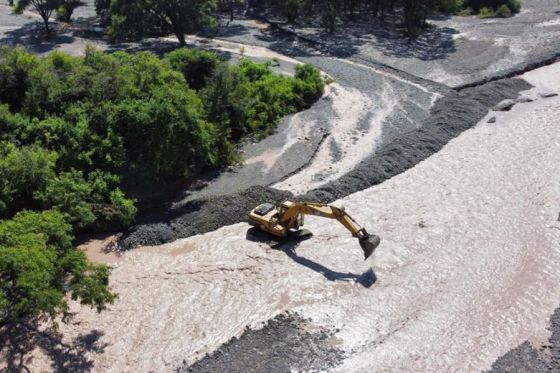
(467,268)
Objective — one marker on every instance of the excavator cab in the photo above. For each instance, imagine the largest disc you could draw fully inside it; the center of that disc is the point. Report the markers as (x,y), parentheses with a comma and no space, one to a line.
(285,220)
(264,209)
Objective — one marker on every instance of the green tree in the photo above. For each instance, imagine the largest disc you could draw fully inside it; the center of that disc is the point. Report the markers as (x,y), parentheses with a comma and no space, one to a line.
(66,9)
(503,11)
(39,267)
(289,8)
(309,85)
(70,193)
(45,8)
(330,15)
(172,126)
(15,66)
(137,18)
(102,8)
(23,172)
(196,65)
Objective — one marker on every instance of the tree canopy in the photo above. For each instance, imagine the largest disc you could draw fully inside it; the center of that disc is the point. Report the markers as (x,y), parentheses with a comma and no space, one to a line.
(81,138)
(133,19)
(39,266)
(413,13)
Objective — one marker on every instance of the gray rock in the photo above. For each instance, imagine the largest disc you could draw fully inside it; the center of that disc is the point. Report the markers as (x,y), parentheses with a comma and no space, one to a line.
(504,105)
(492,120)
(523,99)
(548,94)
(281,345)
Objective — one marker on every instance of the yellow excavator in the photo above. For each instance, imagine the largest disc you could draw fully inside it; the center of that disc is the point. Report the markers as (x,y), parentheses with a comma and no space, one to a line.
(285,219)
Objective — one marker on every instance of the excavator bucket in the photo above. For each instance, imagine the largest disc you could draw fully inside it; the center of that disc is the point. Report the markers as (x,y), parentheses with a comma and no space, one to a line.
(369,244)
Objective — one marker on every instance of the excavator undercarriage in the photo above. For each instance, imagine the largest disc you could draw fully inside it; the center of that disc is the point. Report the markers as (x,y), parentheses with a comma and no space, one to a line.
(284,222)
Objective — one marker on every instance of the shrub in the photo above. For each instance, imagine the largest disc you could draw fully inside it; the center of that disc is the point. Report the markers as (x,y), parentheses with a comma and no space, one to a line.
(503,11)
(253,71)
(23,173)
(165,136)
(309,84)
(196,65)
(451,6)
(66,9)
(249,99)
(485,12)
(514,5)
(466,12)
(492,5)
(62,14)
(15,67)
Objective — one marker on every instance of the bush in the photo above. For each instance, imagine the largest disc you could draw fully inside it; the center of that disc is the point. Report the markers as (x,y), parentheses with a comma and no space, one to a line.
(154,151)
(62,14)
(249,99)
(309,84)
(503,11)
(487,7)
(24,172)
(15,68)
(66,9)
(451,6)
(514,5)
(196,65)
(466,12)
(485,12)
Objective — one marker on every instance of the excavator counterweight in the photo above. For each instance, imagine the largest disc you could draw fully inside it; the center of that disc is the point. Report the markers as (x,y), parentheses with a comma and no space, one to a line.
(285,219)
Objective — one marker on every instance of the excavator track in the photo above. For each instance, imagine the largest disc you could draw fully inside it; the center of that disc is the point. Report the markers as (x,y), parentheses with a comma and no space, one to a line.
(256,234)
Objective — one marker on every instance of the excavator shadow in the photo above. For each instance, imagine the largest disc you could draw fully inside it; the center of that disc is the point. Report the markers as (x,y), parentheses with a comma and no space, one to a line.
(366,279)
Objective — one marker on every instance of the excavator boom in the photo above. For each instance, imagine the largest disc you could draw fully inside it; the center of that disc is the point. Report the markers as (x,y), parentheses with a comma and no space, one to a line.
(287,217)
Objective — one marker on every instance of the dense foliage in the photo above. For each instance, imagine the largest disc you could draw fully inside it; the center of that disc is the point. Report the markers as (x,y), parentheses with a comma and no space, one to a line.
(80,135)
(133,19)
(493,8)
(66,9)
(39,266)
(412,12)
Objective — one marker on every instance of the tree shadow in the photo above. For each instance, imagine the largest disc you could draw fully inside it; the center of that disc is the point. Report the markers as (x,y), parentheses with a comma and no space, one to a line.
(32,36)
(366,279)
(17,343)
(388,36)
(154,45)
(225,30)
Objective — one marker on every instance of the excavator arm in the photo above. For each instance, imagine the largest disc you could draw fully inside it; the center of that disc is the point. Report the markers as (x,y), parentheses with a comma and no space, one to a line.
(327,211)
(288,216)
